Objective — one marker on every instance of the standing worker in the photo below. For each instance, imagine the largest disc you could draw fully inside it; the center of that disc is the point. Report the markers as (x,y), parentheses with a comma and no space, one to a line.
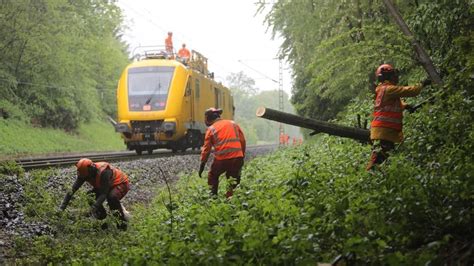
(386,126)
(282,139)
(169,44)
(184,54)
(109,183)
(229,150)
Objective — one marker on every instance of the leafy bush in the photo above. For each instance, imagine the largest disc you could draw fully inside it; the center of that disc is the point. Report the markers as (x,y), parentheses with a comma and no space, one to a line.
(297,206)
(13,111)
(11,168)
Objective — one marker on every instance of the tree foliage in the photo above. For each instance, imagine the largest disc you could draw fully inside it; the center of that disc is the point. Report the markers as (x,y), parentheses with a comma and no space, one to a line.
(61,59)
(334,46)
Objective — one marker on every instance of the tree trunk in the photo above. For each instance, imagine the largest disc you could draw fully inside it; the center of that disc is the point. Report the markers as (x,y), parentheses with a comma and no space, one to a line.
(423,57)
(317,125)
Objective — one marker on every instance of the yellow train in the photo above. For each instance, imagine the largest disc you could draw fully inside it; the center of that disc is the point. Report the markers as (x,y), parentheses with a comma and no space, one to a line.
(161,102)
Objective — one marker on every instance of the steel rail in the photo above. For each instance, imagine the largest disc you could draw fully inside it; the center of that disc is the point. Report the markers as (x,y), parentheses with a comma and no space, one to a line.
(31,163)
(70,160)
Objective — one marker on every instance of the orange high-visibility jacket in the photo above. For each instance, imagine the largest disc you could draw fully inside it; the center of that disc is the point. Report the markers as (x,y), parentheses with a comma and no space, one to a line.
(227,139)
(184,53)
(387,122)
(387,113)
(169,43)
(118,176)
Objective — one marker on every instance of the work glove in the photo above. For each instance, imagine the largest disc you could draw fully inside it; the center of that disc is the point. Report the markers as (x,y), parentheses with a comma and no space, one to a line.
(65,202)
(410,108)
(93,212)
(201,168)
(426,82)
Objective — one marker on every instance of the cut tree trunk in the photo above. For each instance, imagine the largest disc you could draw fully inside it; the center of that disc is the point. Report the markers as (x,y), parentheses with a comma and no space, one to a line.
(355,133)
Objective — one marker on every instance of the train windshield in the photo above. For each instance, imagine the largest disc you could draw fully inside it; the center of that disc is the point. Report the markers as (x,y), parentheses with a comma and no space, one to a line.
(148,87)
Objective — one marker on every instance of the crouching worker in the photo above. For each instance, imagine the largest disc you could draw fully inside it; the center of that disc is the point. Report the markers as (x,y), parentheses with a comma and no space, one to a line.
(108,182)
(228,141)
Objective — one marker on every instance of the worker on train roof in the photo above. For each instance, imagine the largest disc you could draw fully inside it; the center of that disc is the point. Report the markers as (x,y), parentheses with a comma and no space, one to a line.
(184,54)
(169,44)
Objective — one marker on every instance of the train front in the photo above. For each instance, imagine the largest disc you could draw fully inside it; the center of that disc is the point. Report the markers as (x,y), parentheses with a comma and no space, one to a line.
(149,105)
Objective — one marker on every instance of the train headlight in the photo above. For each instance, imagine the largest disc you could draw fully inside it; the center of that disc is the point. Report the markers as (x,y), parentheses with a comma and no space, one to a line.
(169,126)
(122,128)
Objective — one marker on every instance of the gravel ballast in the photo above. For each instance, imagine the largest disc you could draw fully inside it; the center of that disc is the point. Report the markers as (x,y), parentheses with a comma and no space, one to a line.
(145,177)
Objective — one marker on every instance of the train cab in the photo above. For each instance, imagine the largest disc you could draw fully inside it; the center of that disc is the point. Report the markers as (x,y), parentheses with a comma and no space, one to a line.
(161,102)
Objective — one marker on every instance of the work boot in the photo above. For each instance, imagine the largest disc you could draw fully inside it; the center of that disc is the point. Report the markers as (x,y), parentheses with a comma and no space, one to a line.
(372,161)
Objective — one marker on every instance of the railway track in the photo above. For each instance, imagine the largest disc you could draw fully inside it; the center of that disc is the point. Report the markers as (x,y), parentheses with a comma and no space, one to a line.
(68,160)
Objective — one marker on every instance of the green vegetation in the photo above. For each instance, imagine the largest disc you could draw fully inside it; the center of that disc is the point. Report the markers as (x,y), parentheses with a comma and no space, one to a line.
(310,203)
(19,138)
(297,206)
(9,167)
(60,60)
(335,46)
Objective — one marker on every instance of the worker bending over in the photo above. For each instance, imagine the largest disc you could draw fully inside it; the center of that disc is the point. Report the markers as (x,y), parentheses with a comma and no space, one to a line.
(108,182)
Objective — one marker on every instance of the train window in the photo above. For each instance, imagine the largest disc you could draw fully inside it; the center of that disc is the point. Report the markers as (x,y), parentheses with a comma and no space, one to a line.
(188,88)
(148,87)
(218,97)
(197,88)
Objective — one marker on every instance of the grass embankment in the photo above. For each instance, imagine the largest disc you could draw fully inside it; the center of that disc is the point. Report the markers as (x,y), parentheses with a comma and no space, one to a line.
(18,138)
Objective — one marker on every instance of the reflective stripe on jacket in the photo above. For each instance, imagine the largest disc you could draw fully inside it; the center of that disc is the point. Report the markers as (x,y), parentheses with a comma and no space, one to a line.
(227,139)
(118,176)
(387,114)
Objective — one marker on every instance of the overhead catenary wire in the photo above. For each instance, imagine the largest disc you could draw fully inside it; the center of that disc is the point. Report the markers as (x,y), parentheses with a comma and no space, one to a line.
(263,74)
(147,16)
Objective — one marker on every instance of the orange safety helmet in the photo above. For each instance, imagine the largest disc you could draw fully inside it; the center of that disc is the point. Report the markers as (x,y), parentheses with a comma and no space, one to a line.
(83,167)
(212,114)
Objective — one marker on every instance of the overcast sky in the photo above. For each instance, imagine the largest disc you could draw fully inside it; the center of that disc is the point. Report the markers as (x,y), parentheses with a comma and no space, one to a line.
(225,31)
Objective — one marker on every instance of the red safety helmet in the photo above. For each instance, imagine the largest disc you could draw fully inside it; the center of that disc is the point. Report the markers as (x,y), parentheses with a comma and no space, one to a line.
(384,68)
(83,167)
(212,114)
(386,72)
